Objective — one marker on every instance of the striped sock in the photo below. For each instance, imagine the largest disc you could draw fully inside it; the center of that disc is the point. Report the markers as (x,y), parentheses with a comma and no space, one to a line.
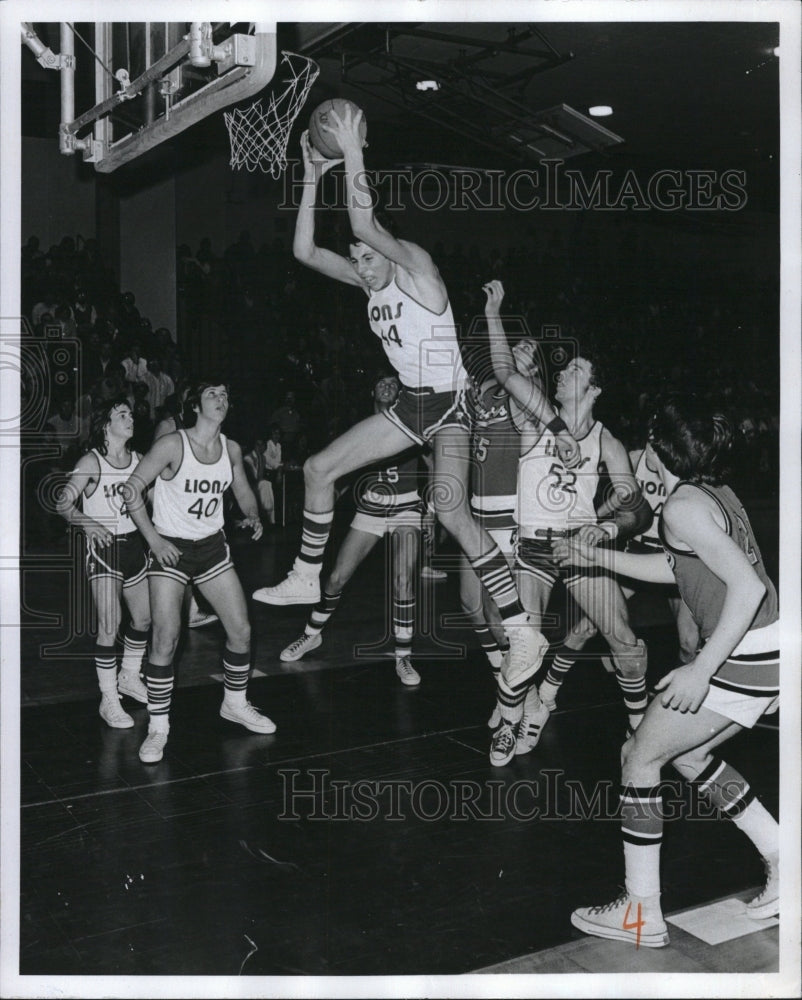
(511,698)
(321,612)
(135,644)
(642,832)
(236,668)
(159,679)
(314,536)
(562,661)
(732,795)
(403,619)
(491,648)
(106,667)
(493,570)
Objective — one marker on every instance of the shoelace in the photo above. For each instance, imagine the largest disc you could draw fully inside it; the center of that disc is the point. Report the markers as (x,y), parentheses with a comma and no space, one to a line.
(607,907)
(768,867)
(298,644)
(505,738)
(404,665)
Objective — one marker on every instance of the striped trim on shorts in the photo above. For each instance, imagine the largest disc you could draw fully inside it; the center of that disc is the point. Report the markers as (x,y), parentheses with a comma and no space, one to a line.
(201,560)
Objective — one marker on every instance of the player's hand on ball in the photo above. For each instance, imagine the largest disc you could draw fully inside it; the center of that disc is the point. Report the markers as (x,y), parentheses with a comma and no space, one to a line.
(166,553)
(315,164)
(494,290)
(684,688)
(567,449)
(345,130)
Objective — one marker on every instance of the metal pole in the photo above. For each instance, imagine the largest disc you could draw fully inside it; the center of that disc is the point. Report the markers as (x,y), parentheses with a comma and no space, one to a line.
(67,76)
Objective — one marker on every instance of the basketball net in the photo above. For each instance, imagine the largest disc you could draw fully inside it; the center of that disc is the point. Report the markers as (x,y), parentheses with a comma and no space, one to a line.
(259,135)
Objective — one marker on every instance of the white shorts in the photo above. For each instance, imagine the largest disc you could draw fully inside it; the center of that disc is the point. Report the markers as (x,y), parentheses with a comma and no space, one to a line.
(745,709)
(381,526)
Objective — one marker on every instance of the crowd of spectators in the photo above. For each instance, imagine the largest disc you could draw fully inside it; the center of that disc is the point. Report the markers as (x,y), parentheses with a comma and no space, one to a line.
(300,356)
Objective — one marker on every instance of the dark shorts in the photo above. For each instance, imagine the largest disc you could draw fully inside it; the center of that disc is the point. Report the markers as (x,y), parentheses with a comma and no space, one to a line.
(420,413)
(534,556)
(200,561)
(125,559)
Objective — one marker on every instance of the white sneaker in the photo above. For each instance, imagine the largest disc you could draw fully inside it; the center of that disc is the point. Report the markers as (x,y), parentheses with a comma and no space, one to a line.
(407,674)
(502,746)
(297,588)
(495,718)
(201,619)
(113,714)
(152,750)
(300,647)
(130,683)
(624,920)
(430,573)
(535,717)
(528,646)
(246,715)
(767,903)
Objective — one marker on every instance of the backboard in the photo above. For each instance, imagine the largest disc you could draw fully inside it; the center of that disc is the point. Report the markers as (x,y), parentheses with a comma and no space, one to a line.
(128,86)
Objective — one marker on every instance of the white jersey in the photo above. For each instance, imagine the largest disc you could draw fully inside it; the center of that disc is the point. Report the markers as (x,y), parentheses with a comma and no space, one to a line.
(106,504)
(420,344)
(551,496)
(190,505)
(654,492)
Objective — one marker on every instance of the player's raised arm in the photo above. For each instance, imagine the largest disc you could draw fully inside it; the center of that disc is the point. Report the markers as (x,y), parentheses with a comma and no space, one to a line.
(359,201)
(242,490)
(304,248)
(526,391)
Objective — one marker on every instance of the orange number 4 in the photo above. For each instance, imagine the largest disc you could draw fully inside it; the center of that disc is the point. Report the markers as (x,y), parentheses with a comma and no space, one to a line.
(635,925)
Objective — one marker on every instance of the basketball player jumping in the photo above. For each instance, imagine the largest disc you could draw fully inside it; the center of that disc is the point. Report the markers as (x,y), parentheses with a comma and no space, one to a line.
(408,308)
(192,468)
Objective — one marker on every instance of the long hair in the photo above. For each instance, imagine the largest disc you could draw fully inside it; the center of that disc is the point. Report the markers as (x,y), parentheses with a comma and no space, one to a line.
(101,414)
(691,439)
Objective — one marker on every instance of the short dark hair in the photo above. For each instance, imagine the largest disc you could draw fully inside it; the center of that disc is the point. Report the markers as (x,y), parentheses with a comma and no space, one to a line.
(101,414)
(194,393)
(691,438)
(601,374)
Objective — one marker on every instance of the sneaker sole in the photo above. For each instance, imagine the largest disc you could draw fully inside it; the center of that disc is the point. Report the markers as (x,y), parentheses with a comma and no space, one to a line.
(612,934)
(409,683)
(200,624)
(120,724)
(766,911)
(291,659)
(150,759)
(267,729)
(286,601)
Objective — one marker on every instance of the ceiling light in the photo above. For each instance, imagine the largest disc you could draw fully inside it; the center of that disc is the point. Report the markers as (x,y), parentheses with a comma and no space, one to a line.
(600,110)
(427,85)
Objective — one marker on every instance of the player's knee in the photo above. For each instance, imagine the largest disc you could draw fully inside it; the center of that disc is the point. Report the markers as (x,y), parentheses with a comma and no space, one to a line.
(140,622)
(238,634)
(316,469)
(164,640)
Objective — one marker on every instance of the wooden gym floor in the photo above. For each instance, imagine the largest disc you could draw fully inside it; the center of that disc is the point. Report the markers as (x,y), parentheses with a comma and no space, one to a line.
(370,835)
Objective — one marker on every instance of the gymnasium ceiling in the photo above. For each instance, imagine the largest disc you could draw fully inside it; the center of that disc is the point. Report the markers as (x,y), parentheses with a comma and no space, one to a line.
(685,95)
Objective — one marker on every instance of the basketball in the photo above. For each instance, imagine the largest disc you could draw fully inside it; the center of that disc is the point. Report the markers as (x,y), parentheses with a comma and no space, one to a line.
(324,142)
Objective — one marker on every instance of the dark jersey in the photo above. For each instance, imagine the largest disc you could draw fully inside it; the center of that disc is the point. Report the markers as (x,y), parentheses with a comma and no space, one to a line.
(392,487)
(700,588)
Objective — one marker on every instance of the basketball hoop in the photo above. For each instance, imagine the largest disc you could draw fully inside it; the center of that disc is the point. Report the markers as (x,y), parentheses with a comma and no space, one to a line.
(259,135)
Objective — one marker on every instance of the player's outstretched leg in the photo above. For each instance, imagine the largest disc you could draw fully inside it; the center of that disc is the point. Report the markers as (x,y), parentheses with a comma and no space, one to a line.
(368,441)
